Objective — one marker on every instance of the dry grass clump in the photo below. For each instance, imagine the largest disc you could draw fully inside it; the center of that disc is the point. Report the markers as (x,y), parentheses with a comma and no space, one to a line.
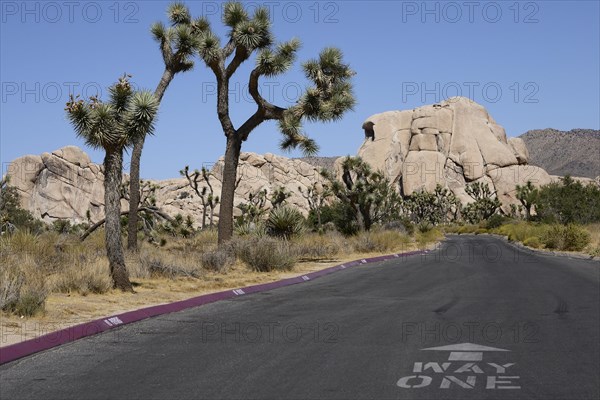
(314,246)
(379,241)
(217,260)
(155,262)
(266,254)
(33,265)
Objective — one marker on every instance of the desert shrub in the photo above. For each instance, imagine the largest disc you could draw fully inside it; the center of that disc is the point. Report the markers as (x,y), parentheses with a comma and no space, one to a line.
(425,238)
(267,254)
(88,278)
(533,241)
(11,283)
(285,222)
(203,241)
(568,201)
(249,228)
(22,292)
(566,237)
(341,216)
(165,264)
(424,226)
(402,225)
(12,216)
(519,231)
(317,246)
(379,241)
(495,221)
(217,260)
(466,229)
(32,300)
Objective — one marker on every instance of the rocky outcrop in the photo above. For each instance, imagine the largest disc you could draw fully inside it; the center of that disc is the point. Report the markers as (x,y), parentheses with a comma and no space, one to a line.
(65,184)
(451,144)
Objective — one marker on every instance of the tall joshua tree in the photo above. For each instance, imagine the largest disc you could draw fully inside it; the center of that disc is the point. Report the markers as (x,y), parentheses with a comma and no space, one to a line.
(178,43)
(113,126)
(329,97)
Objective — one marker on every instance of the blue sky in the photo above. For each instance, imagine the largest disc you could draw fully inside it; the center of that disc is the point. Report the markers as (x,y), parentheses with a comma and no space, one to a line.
(533,64)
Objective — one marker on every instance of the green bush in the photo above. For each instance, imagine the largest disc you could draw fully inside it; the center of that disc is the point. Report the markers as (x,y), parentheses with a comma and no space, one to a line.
(533,241)
(12,216)
(495,221)
(285,222)
(566,237)
(339,214)
(267,254)
(568,201)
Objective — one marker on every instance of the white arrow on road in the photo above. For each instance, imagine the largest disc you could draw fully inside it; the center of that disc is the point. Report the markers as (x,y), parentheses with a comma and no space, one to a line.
(465,351)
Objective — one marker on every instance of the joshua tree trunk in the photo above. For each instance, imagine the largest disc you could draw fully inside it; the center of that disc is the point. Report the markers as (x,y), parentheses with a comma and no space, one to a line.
(232,156)
(134,170)
(204,210)
(113,175)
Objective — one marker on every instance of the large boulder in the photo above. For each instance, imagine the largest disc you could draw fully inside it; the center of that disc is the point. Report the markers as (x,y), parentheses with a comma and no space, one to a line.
(63,184)
(452,144)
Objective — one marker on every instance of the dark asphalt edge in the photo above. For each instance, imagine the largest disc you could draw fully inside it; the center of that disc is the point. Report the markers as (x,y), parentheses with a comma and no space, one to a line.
(521,246)
(54,339)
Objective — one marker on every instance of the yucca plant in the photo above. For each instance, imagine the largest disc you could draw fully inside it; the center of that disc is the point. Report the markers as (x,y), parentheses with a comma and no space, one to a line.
(327,98)
(113,126)
(285,222)
(177,43)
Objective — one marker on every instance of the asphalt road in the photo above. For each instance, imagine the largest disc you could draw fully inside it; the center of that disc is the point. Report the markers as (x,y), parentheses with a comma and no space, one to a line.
(358,333)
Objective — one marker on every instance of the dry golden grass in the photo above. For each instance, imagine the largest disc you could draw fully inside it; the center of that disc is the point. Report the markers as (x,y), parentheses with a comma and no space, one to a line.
(594,246)
(75,278)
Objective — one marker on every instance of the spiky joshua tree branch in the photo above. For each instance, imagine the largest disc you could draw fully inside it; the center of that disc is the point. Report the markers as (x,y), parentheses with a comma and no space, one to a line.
(327,98)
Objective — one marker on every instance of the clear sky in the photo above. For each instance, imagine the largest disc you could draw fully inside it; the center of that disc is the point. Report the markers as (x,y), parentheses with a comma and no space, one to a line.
(532,64)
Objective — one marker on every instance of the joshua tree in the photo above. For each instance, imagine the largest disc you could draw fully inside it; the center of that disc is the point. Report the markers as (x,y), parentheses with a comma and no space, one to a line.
(327,99)
(177,45)
(206,193)
(486,202)
(279,197)
(368,193)
(527,195)
(113,126)
(316,195)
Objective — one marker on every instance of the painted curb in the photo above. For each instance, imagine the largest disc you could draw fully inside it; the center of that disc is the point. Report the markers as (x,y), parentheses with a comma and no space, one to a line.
(19,350)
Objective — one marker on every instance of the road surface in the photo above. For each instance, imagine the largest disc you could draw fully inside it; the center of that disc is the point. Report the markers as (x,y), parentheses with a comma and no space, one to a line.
(518,326)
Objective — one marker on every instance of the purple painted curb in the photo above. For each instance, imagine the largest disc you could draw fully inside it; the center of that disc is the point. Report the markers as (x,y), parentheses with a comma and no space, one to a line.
(53,339)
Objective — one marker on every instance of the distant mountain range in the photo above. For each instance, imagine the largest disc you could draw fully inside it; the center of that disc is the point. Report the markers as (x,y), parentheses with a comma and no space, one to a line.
(575,153)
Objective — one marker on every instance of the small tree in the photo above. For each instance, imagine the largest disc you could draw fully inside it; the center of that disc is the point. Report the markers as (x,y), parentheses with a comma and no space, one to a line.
(527,195)
(279,197)
(177,43)
(432,208)
(316,195)
(12,215)
(254,209)
(327,99)
(206,193)
(485,205)
(369,194)
(113,126)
